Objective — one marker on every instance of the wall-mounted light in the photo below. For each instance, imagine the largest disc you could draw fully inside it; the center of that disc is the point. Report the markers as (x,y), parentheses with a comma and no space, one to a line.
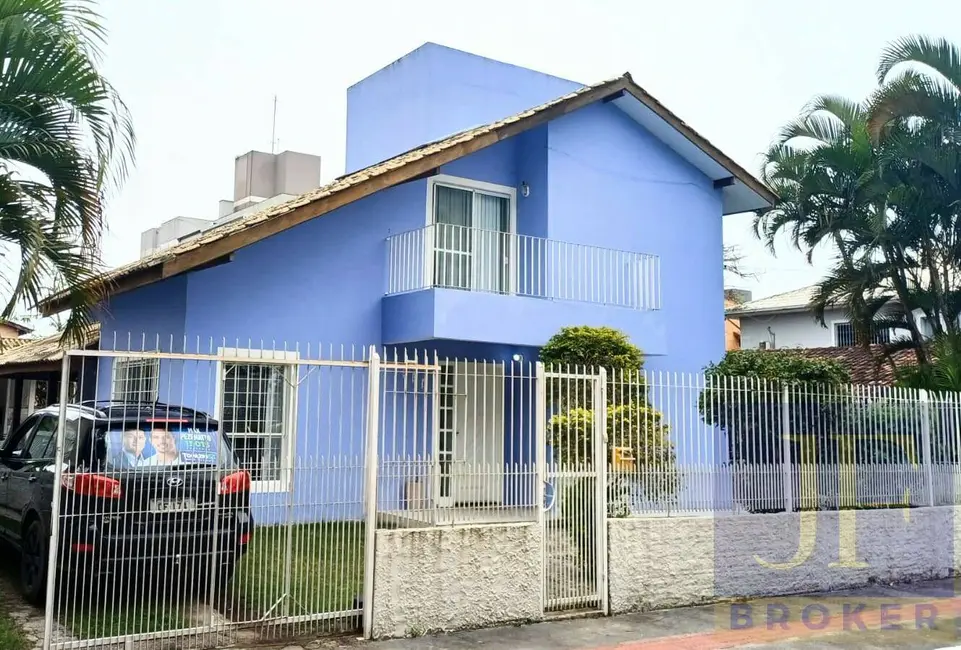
(525,190)
(518,357)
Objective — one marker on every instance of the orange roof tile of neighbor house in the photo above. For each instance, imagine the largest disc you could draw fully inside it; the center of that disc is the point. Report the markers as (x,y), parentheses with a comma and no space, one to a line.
(740,190)
(866,366)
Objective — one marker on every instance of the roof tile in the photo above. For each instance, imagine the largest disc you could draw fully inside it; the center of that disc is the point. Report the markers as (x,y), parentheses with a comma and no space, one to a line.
(865,365)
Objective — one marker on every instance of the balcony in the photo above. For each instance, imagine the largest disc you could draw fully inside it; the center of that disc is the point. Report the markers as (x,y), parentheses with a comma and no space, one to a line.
(449,281)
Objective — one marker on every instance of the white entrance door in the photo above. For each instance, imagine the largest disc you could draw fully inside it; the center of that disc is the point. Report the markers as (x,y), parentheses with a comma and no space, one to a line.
(470,438)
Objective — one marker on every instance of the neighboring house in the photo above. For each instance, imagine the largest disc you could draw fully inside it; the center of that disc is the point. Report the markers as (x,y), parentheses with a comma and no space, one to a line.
(11,330)
(569,205)
(785,320)
(30,376)
(261,180)
(732,324)
(10,333)
(732,328)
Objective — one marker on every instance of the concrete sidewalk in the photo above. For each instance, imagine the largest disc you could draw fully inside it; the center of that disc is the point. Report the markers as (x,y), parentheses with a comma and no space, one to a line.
(923,615)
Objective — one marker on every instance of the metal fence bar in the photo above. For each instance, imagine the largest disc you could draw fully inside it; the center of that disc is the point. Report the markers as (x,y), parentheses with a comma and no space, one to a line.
(788,474)
(335,444)
(463,257)
(54,539)
(601,464)
(370,491)
(925,414)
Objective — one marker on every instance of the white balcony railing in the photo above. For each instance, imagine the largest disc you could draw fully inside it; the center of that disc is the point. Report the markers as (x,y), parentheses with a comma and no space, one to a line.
(460,257)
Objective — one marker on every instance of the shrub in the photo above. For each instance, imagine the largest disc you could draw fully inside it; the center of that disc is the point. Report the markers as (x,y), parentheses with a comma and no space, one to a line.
(636,427)
(586,348)
(743,399)
(782,365)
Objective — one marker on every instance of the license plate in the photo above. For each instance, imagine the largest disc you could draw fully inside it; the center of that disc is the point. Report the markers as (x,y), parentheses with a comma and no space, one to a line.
(172,505)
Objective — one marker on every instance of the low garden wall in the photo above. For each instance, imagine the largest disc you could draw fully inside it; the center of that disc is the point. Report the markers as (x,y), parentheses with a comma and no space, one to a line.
(438,579)
(677,561)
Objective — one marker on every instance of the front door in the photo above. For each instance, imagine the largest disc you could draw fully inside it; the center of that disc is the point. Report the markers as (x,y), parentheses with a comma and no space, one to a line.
(469,466)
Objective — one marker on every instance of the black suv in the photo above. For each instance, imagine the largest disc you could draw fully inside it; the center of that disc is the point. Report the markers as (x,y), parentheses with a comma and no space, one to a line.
(147,490)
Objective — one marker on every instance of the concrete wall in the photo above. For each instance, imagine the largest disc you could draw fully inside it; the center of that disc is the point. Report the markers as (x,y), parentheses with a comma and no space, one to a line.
(672,562)
(798,330)
(437,579)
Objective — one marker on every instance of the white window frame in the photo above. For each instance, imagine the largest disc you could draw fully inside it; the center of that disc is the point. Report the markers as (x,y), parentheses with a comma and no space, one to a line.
(482,187)
(115,366)
(288,443)
(834,333)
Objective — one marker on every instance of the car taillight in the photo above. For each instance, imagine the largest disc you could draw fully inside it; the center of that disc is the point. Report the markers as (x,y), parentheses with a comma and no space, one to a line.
(235,483)
(92,485)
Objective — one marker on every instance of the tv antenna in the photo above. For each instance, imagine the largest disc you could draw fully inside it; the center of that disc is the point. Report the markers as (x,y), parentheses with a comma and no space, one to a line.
(273,129)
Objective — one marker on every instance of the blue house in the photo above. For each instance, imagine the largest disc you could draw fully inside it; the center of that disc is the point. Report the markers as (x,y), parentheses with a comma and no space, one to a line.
(485,206)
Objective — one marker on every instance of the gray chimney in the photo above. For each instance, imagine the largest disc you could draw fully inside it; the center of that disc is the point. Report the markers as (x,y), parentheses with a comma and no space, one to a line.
(259,176)
(225,207)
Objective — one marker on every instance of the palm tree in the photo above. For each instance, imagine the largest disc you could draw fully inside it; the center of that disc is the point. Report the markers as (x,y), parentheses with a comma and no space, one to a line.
(917,109)
(826,170)
(66,139)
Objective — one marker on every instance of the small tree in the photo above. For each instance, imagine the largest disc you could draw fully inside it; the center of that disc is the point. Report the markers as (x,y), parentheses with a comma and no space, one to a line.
(588,348)
(637,427)
(631,424)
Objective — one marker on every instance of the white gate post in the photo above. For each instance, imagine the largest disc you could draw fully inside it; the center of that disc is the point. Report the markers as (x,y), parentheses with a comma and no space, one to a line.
(600,466)
(54,542)
(540,461)
(926,445)
(370,491)
(786,471)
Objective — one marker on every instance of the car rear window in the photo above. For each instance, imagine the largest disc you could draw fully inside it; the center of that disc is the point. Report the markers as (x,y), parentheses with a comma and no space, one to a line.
(151,445)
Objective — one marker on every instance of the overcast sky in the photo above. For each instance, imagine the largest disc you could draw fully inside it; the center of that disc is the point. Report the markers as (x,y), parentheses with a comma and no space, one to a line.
(200,76)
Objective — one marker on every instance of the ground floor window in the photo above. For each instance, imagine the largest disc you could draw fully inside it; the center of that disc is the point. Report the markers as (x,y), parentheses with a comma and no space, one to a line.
(136,380)
(258,414)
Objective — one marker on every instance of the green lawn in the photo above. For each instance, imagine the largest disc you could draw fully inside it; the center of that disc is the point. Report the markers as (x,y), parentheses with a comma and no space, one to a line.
(326,571)
(11,637)
(326,574)
(107,621)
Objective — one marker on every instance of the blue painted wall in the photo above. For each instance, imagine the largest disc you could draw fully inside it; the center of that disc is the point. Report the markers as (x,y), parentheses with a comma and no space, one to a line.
(150,318)
(595,178)
(433,92)
(612,184)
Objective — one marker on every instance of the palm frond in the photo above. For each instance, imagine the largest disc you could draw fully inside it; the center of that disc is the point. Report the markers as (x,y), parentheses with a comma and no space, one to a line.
(63,123)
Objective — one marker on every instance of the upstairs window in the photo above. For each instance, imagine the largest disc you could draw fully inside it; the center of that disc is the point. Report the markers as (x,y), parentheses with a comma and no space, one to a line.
(473,238)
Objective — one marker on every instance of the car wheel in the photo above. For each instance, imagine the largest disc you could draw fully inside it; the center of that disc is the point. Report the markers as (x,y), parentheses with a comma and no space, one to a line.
(33,564)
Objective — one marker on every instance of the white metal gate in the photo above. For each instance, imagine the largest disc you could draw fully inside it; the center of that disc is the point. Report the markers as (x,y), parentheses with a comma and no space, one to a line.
(574,517)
